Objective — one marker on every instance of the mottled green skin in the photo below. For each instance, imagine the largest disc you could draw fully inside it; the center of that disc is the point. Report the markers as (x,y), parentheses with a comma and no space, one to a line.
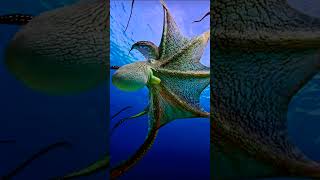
(133,76)
(175,79)
(264,53)
(63,50)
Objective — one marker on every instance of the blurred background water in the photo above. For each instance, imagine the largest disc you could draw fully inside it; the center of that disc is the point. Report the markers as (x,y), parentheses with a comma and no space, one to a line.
(36,120)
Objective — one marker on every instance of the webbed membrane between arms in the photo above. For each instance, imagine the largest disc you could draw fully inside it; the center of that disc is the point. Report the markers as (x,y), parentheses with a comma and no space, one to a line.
(264,52)
(175,79)
(63,51)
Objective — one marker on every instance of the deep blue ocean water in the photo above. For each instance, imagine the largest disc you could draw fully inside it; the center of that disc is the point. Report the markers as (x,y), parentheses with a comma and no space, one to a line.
(181,150)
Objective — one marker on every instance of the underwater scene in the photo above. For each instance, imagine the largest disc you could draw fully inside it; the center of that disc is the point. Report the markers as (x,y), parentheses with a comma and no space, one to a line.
(151,116)
(303,113)
(181,147)
(265,89)
(45,135)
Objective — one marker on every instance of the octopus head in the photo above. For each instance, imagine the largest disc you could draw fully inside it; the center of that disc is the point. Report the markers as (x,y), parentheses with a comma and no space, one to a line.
(47,57)
(134,76)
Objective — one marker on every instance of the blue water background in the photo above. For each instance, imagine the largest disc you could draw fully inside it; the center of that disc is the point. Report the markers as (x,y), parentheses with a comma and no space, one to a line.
(35,119)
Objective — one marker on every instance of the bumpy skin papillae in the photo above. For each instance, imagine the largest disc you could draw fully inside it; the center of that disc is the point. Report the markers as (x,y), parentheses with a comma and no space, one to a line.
(133,76)
(147,49)
(63,50)
(263,52)
(177,68)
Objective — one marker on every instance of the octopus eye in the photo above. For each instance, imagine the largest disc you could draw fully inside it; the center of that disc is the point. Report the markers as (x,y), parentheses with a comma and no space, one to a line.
(152,61)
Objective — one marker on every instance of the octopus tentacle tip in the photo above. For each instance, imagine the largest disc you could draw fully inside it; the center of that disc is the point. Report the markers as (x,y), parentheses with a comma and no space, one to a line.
(207,14)
(35,156)
(120,111)
(132,3)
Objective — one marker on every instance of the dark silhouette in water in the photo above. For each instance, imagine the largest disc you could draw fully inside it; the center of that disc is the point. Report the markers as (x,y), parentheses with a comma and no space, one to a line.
(128,118)
(207,14)
(123,109)
(103,163)
(97,166)
(15,19)
(42,152)
(114,67)
(132,3)
(122,120)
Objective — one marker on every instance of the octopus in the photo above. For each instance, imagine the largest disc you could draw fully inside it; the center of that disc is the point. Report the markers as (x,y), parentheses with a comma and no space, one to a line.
(263,52)
(58,52)
(168,72)
(61,51)
(174,76)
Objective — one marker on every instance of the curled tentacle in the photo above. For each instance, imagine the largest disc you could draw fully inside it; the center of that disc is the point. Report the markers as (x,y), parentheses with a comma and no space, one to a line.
(126,119)
(143,149)
(35,156)
(94,167)
(132,3)
(207,14)
(123,109)
(117,171)
(148,49)
(103,163)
